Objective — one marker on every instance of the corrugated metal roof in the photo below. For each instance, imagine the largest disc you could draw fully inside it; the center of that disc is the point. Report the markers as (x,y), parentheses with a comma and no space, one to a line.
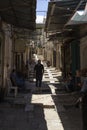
(78,19)
(20,13)
(60,12)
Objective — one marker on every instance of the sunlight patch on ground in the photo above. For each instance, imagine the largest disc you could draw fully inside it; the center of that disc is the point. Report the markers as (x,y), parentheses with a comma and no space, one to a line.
(56,123)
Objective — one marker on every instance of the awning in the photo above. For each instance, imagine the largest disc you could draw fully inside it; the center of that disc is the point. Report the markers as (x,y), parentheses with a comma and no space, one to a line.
(79,18)
(20,13)
(60,12)
(70,34)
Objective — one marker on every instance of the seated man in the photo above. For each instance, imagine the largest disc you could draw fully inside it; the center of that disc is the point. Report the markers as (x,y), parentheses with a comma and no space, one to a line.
(17,79)
(84,85)
(13,77)
(70,83)
(78,83)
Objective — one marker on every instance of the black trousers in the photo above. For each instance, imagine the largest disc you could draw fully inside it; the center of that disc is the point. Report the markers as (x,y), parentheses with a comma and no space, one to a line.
(38,80)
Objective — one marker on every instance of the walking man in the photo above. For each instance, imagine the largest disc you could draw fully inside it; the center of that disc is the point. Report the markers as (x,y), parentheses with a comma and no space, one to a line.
(39,70)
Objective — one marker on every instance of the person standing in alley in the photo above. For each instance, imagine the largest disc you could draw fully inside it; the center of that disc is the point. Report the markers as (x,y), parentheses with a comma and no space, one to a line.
(39,70)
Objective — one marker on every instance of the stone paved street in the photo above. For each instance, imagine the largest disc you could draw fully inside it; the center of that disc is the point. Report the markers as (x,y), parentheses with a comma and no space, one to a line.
(48,109)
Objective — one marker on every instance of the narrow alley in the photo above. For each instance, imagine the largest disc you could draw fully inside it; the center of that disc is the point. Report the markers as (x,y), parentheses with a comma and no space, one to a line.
(54,33)
(44,110)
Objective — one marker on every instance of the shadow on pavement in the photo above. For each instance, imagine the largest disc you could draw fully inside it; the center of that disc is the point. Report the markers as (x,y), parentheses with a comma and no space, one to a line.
(17,118)
(70,116)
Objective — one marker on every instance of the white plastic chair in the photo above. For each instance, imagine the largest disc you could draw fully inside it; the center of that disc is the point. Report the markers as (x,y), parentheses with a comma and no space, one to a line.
(10,87)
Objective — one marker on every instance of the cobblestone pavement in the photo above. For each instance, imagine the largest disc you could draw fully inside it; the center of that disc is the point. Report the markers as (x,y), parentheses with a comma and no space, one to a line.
(50,108)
